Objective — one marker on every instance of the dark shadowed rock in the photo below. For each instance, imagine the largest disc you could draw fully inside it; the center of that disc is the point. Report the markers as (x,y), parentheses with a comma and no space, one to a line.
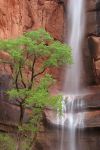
(94,46)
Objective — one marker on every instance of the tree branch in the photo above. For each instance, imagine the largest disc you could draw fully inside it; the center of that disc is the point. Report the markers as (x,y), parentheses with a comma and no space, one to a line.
(32,73)
(18,101)
(22,78)
(16,80)
(39,73)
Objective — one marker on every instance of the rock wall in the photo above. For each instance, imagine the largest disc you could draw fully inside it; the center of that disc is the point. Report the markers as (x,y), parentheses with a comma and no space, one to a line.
(92,28)
(18,16)
(93,17)
(94,46)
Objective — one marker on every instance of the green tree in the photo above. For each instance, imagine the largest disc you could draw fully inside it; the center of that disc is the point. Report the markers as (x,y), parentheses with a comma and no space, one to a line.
(30,57)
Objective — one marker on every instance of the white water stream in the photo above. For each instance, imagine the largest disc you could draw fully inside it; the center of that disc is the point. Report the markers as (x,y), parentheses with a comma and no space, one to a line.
(72,117)
(76,25)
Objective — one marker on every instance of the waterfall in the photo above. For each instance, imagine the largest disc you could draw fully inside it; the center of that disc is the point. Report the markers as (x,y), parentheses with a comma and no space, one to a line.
(76,22)
(72,117)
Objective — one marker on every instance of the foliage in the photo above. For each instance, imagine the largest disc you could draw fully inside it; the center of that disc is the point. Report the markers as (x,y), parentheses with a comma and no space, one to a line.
(30,57)
(7,142)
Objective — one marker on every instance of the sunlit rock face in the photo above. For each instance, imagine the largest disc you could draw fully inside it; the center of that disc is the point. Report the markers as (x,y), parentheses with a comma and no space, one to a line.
(17,17)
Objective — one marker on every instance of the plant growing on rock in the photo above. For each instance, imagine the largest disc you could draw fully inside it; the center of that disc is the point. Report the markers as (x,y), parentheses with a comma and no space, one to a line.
(30,56)
(6,142)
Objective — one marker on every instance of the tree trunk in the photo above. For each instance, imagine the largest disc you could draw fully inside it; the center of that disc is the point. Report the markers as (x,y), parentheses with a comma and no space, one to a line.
(22,110)
(33,142)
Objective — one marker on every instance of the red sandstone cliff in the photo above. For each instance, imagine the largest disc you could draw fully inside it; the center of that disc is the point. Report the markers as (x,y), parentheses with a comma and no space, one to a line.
(18,16)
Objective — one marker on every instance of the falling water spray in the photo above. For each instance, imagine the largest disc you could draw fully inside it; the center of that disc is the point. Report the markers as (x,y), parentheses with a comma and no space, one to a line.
(76,24)
(73,118)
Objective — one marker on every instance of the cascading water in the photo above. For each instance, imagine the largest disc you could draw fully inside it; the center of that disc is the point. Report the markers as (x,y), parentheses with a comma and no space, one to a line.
(72,117)
(76,22)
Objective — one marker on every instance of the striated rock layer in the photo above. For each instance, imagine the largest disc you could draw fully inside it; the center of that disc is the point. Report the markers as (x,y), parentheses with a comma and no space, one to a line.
(18,16)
